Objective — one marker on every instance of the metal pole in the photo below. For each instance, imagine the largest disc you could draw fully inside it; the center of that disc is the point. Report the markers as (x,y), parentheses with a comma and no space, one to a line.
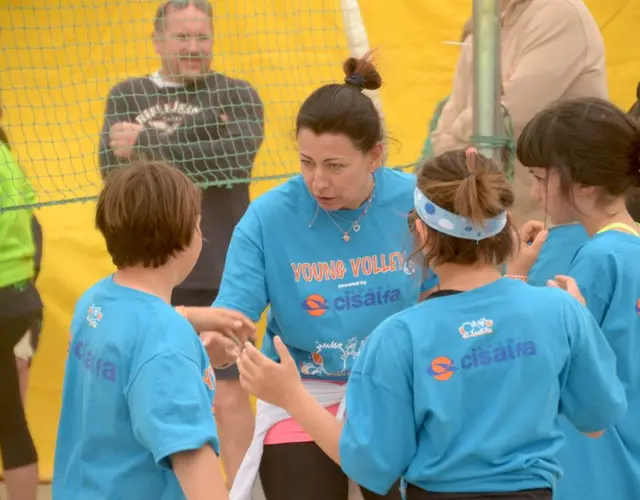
(487,95)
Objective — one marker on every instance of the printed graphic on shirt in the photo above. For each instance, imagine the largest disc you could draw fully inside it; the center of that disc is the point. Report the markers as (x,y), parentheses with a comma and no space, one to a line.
(355,290)
(358,268)
(317,305)
(94,315)
(167,117)
(476,328)
(92,362)
(443,368)
(331,364)
(209,378)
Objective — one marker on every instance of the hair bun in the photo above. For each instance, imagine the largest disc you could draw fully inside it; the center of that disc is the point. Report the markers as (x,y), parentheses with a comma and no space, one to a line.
(362,73)
(355,79)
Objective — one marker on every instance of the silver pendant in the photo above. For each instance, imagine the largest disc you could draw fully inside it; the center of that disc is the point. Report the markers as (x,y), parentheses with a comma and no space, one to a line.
(345,237)
(355,227)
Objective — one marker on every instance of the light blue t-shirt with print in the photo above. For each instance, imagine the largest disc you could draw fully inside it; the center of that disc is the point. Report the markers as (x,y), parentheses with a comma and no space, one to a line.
(462,393)
(138,388)
(326,295)
(563,242)
(607,270)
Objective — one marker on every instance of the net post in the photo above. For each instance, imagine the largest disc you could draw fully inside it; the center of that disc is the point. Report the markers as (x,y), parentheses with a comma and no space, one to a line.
(358,45)
(488,121)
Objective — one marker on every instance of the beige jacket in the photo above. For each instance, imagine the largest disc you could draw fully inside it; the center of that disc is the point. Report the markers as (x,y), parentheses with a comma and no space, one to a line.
(551,49)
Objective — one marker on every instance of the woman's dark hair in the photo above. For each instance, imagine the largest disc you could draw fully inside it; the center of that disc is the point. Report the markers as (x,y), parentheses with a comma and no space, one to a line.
(588,141)
(474,187)
(343,108)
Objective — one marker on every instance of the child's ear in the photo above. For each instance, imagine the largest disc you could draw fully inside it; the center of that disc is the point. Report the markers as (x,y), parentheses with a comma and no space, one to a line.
(587,191)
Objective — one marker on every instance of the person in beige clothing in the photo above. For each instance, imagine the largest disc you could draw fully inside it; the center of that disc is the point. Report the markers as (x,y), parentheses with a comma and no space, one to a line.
(551,49)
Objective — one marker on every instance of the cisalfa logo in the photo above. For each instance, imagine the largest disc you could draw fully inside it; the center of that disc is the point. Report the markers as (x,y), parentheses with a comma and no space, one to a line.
(316,305)
(442,368)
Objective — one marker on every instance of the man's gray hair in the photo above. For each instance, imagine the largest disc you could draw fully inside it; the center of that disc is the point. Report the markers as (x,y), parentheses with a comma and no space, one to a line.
(163,10)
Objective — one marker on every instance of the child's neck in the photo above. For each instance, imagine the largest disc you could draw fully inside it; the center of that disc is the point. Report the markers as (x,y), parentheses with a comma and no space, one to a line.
(459,277)
(146,280)
(614,214)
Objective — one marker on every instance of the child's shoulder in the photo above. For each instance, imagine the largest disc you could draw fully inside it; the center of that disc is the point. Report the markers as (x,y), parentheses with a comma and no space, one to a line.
(169,332)
(611,246)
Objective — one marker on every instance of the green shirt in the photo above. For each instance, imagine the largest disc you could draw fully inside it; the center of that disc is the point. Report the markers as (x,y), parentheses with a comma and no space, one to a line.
(17,248)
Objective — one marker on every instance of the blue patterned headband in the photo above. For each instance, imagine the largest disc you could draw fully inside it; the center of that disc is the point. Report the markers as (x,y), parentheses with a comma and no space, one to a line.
(454,225)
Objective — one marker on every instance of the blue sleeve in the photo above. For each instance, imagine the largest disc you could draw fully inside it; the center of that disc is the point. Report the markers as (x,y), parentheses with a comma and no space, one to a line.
(430,281)
(171,407)
(244,287)
(593,397)
(378,439)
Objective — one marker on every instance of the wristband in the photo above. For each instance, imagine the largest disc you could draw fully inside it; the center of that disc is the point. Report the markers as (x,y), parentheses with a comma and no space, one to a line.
(230,364)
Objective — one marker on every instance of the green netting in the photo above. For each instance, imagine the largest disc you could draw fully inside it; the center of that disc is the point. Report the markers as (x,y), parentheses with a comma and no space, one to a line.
(59,61)
(507,144)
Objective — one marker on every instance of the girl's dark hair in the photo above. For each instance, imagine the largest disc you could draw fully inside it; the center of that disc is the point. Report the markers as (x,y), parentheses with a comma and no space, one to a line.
(472,186)
(343,108)
(588,141)
(633,198)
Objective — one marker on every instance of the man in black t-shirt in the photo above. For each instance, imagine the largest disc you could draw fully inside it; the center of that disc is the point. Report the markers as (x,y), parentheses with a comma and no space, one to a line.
(211,127)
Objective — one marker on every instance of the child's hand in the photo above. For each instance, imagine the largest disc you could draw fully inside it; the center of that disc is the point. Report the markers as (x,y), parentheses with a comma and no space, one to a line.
(528,244)
(215,319)
(568,284)
(275,383)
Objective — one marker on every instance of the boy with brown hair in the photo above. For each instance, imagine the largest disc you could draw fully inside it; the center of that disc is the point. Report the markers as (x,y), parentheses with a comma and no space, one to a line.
(136,419)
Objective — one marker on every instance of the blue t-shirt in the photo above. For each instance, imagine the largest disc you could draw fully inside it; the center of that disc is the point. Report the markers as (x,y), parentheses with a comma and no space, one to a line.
(461,393)
(138,388)
(563,242)
(326,295)
(607,269)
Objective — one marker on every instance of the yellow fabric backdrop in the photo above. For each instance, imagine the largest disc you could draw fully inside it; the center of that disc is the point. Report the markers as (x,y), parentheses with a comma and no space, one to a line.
(415,64)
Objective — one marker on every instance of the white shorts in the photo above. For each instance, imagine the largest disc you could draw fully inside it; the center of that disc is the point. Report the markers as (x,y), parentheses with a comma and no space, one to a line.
(24,349)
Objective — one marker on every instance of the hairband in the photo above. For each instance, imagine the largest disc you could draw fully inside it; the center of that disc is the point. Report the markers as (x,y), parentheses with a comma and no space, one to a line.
(471,155)
(455,225)
(355,79)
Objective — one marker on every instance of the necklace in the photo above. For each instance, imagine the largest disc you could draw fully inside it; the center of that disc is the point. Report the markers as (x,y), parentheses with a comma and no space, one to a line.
(355,225)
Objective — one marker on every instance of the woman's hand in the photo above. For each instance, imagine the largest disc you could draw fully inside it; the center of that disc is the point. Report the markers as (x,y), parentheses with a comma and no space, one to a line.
(223,350)
(529,242)
(568,284)
(275,383)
